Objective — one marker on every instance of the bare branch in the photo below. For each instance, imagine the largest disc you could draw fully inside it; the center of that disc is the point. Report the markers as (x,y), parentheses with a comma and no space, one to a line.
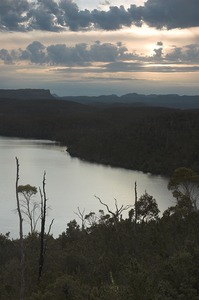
(42,202)
(50,226)
(81,216)
(116,204)
(105,205)
(118,211)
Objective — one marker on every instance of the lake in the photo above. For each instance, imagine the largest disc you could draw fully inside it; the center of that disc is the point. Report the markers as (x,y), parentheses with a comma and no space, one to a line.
(70,183)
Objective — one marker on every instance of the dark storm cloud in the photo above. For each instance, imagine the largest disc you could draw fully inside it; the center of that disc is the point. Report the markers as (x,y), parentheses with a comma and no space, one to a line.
(51,15)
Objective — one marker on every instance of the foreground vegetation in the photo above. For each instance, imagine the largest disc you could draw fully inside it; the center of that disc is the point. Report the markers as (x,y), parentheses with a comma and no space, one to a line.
(149,139)
(154,260)
(142,257)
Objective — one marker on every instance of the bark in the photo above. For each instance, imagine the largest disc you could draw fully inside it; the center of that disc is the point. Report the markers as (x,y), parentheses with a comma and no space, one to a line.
(22,254)
(43,235)
(43,222)
(136,199)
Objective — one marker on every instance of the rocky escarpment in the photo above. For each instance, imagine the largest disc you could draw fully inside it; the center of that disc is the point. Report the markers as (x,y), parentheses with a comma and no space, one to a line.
(25,94)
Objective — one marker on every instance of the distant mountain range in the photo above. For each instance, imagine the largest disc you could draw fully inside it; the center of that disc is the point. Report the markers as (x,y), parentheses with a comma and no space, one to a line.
(132,99)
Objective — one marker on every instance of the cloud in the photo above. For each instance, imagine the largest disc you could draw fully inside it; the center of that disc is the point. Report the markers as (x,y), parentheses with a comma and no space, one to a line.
(52,15)
(113,19)
(128,68)
(124,67)
(6,56)
(171,14)
(104,57)
(12,14)
(108,78)
(43,18)
(158,54)
(61,54)
(143,67)
(35,53)
(186,54)
(105,3)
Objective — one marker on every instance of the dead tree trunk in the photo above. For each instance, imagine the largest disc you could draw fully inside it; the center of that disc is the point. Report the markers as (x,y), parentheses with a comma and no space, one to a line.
(22,254)
(43,222)
(136,199)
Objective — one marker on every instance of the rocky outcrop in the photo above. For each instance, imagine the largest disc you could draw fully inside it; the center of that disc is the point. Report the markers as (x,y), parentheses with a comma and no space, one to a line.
(26,94)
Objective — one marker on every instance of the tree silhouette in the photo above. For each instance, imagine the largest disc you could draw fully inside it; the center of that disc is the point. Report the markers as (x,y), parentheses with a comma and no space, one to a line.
(29,207)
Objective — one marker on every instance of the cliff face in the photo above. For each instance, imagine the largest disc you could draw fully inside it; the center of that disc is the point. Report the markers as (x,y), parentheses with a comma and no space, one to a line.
(26,94)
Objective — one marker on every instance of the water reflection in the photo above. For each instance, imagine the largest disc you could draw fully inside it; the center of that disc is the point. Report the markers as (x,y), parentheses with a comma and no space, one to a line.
(70,182)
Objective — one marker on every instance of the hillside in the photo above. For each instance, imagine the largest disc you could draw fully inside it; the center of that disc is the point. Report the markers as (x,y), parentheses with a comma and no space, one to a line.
(149,139)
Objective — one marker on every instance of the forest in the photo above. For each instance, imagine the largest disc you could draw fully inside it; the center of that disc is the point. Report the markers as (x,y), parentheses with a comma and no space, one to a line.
(150,139)
(100,255)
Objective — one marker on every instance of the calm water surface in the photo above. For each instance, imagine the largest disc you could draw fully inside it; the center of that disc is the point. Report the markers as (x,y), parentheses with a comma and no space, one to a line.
(70,183)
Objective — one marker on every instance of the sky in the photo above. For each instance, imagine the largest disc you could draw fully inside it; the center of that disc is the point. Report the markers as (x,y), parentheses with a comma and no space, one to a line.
(98,47)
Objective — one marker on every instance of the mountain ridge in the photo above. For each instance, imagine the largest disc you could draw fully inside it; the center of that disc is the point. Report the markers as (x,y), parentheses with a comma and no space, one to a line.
(25,94)
(134,99)
(129,99)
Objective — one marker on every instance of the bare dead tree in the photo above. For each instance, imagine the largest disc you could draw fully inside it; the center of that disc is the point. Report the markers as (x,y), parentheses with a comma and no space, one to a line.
(118,211)
(43,242)
(22,254)
(43,222)
(49,229)
(81,216)
(135,205)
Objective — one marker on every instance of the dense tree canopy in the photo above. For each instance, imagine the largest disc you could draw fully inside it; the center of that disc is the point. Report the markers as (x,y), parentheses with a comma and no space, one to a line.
(107,258)
(184,183)
(150,139)
(146,208)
